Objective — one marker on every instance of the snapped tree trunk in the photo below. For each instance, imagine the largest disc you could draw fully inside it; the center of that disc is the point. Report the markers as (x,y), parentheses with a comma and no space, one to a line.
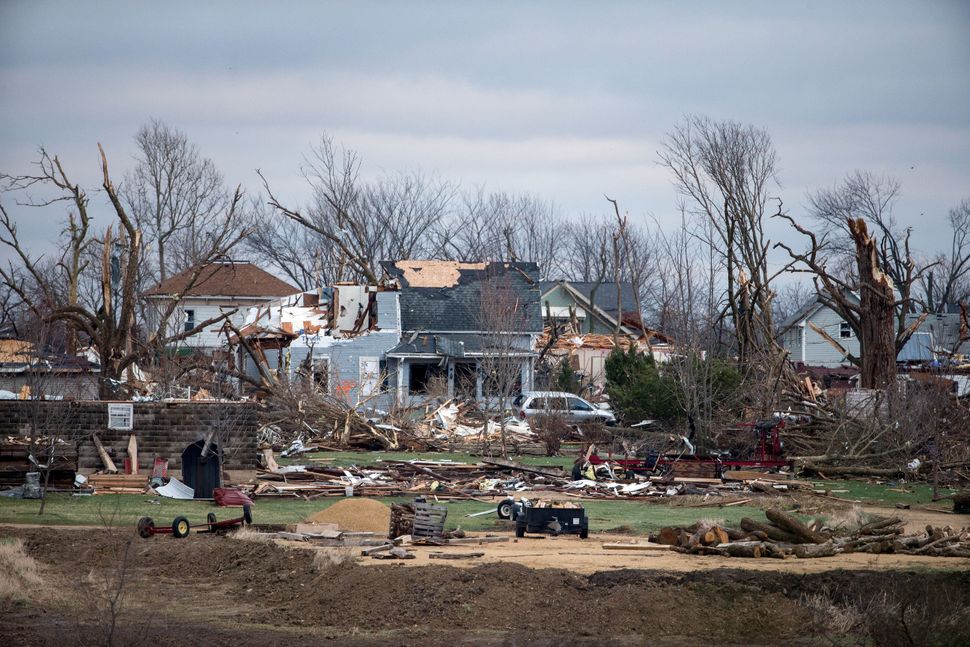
(877,338)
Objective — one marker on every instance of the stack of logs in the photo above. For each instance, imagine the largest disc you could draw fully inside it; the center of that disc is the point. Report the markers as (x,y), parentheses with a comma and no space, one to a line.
(785,536)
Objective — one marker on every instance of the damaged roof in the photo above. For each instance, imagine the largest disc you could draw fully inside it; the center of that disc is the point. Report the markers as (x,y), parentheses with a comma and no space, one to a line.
(454,296)
(225,279)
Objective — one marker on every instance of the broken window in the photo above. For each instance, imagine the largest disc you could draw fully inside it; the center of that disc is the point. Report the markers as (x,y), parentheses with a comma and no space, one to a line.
(189,320)
(845,330)
(425,378)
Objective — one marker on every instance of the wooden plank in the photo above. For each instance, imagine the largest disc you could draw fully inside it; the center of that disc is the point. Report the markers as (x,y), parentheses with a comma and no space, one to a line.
(454,555)
(644,547)
(477,540)
(376,549)
(133,453)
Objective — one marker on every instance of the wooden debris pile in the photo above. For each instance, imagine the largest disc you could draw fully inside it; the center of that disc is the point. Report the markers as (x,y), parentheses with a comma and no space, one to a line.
(785,536)
(118,483)
(15,452)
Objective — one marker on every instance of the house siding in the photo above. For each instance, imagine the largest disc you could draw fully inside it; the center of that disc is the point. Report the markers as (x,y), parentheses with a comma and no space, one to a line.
(818,351)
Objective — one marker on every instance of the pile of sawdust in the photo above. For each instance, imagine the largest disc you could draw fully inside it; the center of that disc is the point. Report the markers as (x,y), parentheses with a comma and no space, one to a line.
(356,514)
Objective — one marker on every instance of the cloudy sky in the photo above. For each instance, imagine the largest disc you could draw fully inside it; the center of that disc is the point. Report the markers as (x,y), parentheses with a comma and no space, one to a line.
(566,101)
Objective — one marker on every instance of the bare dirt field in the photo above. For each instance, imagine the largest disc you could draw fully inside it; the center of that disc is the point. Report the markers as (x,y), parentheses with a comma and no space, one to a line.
(215,590)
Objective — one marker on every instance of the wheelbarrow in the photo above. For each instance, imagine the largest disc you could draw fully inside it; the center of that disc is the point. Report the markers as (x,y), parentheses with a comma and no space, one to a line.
(181,527)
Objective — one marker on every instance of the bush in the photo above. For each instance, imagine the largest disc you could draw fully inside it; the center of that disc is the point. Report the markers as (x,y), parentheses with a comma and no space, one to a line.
(637,389)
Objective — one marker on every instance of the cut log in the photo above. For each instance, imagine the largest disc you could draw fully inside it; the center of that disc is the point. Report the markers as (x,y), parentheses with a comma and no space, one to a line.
(805,551)
(794,526)
(742,549)
(771,532)
(764,488)
(669,536)
(109,465)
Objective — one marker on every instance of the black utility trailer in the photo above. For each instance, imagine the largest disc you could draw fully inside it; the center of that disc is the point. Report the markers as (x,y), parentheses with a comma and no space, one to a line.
(549,519)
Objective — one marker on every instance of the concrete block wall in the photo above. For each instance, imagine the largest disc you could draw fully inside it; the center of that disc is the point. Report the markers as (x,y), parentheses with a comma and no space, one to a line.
(163,429)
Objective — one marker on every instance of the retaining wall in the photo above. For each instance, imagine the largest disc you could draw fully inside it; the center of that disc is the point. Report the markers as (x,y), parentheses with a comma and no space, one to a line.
(163,429)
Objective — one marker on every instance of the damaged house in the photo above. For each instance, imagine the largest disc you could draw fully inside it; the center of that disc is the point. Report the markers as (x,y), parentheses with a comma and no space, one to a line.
(220,287)
(468,330)
(580,323)
(335,338)
(464,330)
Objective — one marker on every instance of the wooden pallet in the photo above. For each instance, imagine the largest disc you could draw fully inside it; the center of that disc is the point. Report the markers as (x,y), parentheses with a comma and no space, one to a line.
(429,520)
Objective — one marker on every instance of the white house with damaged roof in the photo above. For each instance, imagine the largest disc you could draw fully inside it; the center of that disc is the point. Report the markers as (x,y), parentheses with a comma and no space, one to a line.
(430,327)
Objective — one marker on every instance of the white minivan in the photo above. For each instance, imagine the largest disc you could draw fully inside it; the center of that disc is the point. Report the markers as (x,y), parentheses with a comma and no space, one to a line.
(559,403)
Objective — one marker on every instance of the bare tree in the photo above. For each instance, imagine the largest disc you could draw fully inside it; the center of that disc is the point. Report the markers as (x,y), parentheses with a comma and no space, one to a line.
(507,227)
(724,171)
(111,323)
(949,280)
(305,257)
(503,317)
(395,217)
(176,198)
(862,194)
(877,315)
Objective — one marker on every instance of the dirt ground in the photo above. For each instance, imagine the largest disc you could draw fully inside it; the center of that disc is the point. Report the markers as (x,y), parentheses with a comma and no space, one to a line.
(215,590)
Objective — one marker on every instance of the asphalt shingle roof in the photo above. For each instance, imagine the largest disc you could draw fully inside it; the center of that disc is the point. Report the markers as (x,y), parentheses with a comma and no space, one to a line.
(463,304)
(235,279)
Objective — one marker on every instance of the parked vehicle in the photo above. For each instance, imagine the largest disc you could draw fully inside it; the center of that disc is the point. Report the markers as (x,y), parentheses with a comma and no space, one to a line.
(572,408)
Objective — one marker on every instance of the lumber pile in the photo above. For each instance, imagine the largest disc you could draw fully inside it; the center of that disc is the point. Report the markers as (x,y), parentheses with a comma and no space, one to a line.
(118,483)
(783,536)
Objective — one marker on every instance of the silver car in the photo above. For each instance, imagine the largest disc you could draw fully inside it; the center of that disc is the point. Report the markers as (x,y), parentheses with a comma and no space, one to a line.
(573,408)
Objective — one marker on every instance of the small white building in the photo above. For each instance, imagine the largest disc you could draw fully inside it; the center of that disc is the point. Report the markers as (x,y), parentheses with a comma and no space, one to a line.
(220,287)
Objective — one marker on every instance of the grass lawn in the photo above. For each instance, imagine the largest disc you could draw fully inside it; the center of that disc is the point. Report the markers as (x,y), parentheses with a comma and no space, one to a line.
(125,509)
(887,494)
(639,516)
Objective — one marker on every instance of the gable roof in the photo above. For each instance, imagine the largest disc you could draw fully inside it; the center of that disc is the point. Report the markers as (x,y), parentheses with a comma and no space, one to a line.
(448,295)
(806,311)
(605,294)
(225,279)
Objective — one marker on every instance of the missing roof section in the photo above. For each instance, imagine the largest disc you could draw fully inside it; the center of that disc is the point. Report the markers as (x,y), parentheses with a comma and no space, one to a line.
(434,274)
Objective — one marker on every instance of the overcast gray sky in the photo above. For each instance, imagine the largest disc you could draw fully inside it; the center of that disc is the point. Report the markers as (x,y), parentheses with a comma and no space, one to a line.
(565,100)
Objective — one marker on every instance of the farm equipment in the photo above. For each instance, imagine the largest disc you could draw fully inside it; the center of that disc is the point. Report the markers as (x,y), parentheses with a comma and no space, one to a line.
(545,517)
(767,453)
(181,527)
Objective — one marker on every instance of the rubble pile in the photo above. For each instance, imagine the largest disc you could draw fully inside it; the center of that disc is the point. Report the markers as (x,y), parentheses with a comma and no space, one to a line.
(784,536)
(447,479)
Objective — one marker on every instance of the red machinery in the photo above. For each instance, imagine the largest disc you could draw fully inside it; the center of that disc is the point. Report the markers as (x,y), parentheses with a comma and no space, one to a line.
(767,454)
(180,526)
